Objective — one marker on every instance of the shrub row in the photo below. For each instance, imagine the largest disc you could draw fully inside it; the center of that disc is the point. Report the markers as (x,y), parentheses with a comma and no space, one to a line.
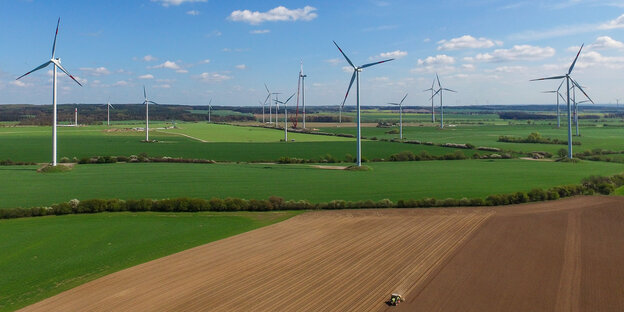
(134,158)
(534,137)
(591,185)
(9,162)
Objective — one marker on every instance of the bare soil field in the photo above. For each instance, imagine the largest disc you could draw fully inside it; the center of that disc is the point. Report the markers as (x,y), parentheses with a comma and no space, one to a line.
(552,256)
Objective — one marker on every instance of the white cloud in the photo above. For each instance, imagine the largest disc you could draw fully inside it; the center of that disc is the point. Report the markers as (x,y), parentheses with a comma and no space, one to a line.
(167,64)
(606,42)
(149,58)
(98,71)
(167,3)
(181,71)
(334,61)
(259,31)
(19,83)
(612,24)
(241,66)
(386,55)
(192,12)
(120,83)
(147,76)
(467,42)
(163,86)
(436,60)
(347,69)
(426,39)
(277,14)
(206,61)
(214,33)
(469,67)
(213,77)
(517,53)
(510,69)
(593,58)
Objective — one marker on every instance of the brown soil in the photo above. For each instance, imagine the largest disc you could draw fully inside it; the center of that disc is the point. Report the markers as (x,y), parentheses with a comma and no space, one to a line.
(561,255)
(330,167)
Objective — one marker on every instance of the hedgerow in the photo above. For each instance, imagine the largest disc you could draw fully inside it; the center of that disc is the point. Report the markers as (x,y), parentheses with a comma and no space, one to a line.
(589,186)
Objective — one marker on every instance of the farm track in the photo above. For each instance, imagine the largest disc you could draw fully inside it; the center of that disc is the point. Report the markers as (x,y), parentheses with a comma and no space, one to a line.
(524,257)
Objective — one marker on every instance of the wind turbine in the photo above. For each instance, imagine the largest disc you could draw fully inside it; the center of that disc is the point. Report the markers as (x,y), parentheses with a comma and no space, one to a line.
(356,74)
(146,102)
(568,79)
(270,108)
(301,85)
(440,89)
(432,95)
(400,104)
(108,107)
(76,117)
(285,117)
(262,104)
(557,95)
(57,64)
(209,109)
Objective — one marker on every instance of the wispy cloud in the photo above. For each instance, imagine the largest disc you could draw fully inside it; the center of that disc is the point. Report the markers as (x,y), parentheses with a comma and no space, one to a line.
(241,66)
(278,14)
(146,76)
(214,33)
(567,30)
(192,12)
(167,64)
(386,55)
(149,58)
(19,83)
(438,59)
(259,31)
(380,28)
(613,24)
(467,42)
(98,71)
(213,77)
(167,3)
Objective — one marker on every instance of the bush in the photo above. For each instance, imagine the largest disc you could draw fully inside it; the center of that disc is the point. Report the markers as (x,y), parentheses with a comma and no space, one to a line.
(562,152)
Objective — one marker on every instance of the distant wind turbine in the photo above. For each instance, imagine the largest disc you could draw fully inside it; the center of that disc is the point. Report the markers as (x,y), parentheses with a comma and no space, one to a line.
(285,117)
(57,64)
(146,102)
(356,74)
(432,95)
(440,89)
(301,86)
(270,108)
(108,107)
(400,104)
(209,109)
(568,80)
(76,117)
(262,104)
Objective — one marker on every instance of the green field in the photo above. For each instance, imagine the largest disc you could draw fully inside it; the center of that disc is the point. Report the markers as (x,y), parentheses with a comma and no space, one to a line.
(399,180)
(44,256)
(487,135)
(34,144)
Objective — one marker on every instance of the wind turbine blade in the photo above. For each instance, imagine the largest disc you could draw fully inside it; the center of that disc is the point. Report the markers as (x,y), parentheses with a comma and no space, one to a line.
(436,93)
(36,69)
(394,103)
(67,73)
(55,34)
(152,102)
(343,54)
(144,93)
(267,98)
(350,84)
(576,58)
(438,78)
(430,89)
(371,64)
(210,102)
(403,99)
(560,85)
(548,78)
(267,88)
(433,82)
(111,105)
(445,89)
(579,87)
(561,96)
(549,91)
(288,99)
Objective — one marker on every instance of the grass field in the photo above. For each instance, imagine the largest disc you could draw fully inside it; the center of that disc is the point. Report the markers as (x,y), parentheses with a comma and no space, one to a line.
(34,144)
(44,256)
(487,135)
(400,180)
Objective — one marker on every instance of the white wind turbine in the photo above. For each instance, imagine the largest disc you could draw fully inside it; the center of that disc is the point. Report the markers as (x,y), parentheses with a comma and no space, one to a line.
(356,74)
(557,95)
(440,89)
(262,104)
(568,80)
(209,109)
(432,94)
(108,107)
(285,117)
(400,104)
(270,107)
(302,78)
(147,102)
(76,117)
(57,64)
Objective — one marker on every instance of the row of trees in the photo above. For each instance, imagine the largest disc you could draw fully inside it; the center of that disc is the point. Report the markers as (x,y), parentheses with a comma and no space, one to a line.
(591,185)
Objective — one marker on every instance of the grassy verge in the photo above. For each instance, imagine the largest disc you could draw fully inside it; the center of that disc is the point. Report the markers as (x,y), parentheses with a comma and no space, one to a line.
(44,256)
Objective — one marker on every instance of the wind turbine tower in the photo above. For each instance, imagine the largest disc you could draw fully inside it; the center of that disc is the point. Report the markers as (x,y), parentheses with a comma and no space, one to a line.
(56,62)
(146,102)
(285,117)
(400,104)
(440,90)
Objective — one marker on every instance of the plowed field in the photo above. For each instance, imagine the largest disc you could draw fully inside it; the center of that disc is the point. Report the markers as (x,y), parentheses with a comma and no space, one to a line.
(561,255)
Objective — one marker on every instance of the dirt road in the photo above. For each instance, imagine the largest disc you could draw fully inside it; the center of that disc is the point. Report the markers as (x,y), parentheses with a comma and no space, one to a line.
(561,255)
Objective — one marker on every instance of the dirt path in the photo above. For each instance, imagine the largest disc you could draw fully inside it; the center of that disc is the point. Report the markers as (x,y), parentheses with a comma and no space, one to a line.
(532,257)
(184,135)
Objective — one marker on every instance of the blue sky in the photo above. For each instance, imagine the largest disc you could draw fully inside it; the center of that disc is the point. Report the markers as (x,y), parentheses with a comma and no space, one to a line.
(188,51)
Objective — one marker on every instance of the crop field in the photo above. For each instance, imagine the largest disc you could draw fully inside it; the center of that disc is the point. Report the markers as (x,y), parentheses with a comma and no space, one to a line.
(487,135)
(34,144)
(544,256)
(44,256)
(400,180)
